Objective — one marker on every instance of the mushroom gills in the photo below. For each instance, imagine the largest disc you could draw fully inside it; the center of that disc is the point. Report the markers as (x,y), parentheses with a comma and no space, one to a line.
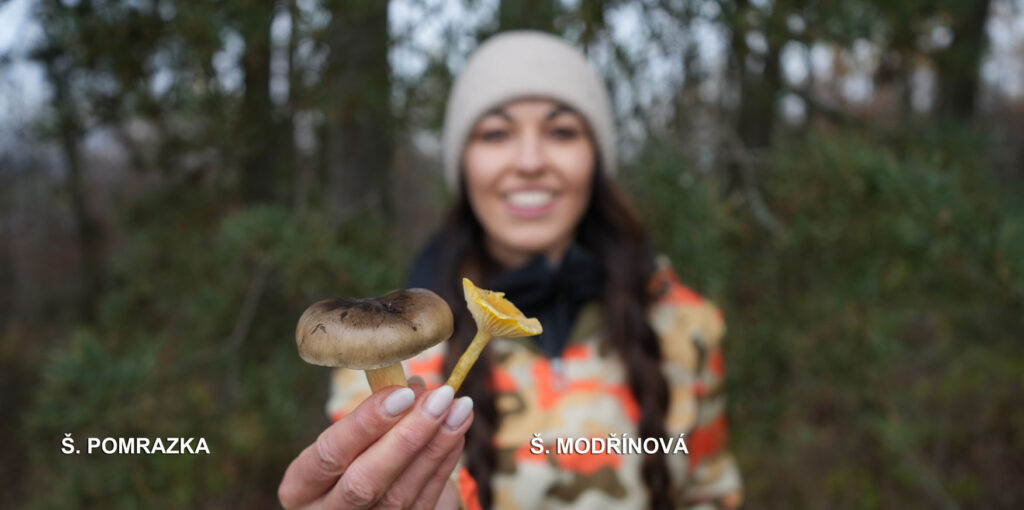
(494,316)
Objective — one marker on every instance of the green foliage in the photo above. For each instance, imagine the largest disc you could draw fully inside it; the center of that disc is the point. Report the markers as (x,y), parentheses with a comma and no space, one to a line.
(873,341)
(176,354)
(685,215)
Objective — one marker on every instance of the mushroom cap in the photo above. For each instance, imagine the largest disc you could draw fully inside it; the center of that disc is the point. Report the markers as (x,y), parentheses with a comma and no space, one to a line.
(497,315)
(372,333)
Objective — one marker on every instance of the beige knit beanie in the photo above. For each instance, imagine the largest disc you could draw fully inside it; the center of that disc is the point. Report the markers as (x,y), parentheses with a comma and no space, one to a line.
(519,64)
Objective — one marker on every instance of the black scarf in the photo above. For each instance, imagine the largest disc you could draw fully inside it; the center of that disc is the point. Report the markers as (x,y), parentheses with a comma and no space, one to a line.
(552,294)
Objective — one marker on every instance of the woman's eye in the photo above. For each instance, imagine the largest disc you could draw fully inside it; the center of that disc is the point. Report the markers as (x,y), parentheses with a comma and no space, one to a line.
(493,135)
(564,133)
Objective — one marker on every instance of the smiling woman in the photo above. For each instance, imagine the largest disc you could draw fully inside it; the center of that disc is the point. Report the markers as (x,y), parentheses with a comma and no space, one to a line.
(529,167)
(626,351)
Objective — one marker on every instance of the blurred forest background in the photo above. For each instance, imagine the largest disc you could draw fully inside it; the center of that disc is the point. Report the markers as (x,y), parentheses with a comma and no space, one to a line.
(178,180)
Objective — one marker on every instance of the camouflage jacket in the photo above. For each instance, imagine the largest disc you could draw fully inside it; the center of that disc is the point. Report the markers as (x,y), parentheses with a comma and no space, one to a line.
(584,396)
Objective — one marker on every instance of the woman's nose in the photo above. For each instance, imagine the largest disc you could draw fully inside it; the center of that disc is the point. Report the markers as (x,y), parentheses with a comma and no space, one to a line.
(530,158)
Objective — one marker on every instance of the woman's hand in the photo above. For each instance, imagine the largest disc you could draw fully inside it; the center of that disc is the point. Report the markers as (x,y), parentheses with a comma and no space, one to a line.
(395,450)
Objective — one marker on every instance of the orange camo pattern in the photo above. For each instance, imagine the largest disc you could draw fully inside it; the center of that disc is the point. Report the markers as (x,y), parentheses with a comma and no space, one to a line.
(585,394)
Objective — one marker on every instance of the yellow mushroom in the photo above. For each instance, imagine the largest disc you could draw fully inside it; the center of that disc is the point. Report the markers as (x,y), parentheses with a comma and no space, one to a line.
(495,316)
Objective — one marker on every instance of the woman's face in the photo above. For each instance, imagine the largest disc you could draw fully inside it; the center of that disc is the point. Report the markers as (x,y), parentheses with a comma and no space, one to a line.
(529,167)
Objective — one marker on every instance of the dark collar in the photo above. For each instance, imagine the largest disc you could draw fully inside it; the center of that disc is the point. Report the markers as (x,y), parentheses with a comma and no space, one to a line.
(552,294)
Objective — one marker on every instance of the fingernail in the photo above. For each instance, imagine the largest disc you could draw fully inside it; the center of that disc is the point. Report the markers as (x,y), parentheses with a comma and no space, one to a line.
(417,380)
(459,413)
(438,401)
(399,401)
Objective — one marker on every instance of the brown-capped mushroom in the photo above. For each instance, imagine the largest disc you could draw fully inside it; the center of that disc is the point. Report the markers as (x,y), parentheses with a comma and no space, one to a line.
(373,334)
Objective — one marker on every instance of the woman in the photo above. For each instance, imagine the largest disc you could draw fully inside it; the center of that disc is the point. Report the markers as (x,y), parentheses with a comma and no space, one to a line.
(627,351)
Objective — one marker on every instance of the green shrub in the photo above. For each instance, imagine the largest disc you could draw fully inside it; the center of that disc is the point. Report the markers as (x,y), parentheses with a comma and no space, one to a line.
(873,339)
(178,352)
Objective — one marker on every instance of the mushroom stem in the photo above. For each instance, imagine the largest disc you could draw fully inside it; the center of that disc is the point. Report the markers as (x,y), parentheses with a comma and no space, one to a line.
(468,359)
(391,375)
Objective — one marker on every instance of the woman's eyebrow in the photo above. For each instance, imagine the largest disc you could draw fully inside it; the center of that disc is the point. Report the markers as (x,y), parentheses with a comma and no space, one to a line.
(558,110)
(500,113)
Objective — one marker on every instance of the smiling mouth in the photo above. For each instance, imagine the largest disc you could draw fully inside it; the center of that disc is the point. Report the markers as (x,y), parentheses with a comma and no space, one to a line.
(530,199)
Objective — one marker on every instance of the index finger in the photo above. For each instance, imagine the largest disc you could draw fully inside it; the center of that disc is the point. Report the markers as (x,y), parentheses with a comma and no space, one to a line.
(318,467)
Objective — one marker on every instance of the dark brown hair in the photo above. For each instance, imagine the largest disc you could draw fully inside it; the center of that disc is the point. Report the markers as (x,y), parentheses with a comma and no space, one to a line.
(610,229)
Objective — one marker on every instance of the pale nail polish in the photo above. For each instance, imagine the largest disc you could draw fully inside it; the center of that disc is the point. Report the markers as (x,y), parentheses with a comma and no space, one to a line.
(460,411)
(438,401)
(399,401)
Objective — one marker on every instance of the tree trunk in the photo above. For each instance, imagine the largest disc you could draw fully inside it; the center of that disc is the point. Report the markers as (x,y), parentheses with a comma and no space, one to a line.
(755,121)
(759,90)
(87,229)
(527,14)
(959,64)
(256,118)
(758,99)
(7,280)
(359,130)
(301,179)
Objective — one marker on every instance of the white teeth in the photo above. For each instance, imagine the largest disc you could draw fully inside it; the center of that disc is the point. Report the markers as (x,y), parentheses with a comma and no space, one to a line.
(531,198)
